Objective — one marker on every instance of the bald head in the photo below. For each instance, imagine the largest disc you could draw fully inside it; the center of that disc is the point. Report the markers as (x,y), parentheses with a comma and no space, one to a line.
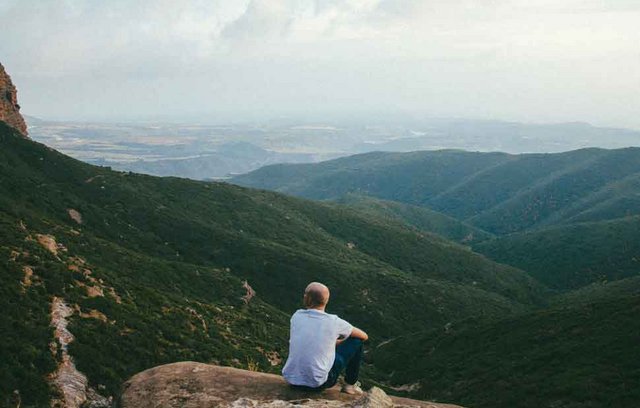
(316,296)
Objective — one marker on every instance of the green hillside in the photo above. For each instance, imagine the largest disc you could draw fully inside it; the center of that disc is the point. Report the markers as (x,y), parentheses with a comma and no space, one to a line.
(596,292)
(540,204)
(421,218)
(412,178)
(570,256)
(498,184)
(154,270)
(496,192)
(569,356)
(571,220)
(618,199)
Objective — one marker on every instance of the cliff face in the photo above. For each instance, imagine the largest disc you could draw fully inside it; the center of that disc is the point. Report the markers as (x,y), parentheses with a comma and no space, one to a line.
(9,108)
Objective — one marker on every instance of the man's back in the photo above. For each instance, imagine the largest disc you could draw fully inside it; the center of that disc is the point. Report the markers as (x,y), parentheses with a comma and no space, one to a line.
(312,346)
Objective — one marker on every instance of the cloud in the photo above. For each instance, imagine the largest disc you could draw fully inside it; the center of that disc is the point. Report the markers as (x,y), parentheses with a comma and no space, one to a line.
(518,59)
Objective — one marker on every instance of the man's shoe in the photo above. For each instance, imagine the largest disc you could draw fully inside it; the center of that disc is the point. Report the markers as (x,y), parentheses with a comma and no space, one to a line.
(352,389)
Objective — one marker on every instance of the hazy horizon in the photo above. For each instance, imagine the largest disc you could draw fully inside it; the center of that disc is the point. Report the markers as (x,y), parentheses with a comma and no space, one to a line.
(330,119)
(517,61)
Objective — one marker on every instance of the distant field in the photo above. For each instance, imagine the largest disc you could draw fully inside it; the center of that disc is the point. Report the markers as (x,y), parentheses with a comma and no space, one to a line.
(213,151)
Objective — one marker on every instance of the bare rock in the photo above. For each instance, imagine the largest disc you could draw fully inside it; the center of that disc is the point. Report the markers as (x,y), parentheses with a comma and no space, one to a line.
(250,293)
(9,108)
(49,243)
(190,385)
(71,385)
(27,280)
(75,215)
(374,398)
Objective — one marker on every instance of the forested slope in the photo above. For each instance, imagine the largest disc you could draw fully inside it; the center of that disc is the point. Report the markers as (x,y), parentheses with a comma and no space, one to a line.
(421,218)
(152,270)
(496,192)
(581,353)
(570,256)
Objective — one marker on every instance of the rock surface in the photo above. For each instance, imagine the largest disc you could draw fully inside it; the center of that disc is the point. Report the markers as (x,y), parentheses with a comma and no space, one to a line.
(71,385)
(189,385)
(9,108)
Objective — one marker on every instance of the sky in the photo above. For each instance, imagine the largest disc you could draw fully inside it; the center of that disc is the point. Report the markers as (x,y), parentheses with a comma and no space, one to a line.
(518,60)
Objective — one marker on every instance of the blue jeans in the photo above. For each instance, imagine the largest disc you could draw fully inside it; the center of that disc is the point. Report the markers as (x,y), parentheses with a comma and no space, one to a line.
(348,358)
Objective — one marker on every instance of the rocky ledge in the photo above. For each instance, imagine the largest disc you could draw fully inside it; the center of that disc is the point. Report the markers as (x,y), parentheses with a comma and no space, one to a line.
(191,385)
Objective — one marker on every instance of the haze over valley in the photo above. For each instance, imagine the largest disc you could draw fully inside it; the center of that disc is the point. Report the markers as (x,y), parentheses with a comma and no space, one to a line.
(201,151)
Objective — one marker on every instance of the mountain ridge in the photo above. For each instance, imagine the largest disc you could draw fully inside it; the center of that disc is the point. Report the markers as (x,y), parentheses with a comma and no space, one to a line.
(496,192)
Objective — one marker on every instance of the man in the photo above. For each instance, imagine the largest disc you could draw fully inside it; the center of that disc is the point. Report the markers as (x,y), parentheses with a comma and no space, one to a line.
(321,345)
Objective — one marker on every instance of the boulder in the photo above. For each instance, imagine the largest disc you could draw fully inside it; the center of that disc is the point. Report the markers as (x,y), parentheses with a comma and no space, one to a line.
(190,385)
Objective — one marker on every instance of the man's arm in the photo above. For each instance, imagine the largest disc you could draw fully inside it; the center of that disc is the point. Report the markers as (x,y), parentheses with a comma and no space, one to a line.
(356,334)
(359,334)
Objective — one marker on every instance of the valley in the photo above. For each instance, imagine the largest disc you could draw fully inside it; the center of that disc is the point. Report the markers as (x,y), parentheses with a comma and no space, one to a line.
(483,279)
(319,204)
(204,150)
(570,220)
(156,269)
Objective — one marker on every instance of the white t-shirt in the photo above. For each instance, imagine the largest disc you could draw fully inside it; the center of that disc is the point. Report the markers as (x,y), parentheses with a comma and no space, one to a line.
(312,346)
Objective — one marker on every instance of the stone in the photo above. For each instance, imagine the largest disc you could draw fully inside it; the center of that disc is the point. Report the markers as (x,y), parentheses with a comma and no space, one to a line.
(75,215)
(9,108)
(190,385)
(72,386)
(250,293)
(375,397)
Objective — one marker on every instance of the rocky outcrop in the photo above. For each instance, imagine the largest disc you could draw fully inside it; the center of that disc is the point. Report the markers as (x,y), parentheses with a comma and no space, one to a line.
(9,108)
(72,386)
(190,385)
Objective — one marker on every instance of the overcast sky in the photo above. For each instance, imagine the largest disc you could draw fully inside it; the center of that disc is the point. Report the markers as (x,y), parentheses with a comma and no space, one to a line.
(522,60)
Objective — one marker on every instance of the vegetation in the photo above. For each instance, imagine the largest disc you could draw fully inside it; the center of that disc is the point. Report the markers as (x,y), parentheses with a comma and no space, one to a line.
(568,356)
(496,192)
(412,178)
(546,202)
(596,292)
(421,218)
(571,220)
(154,269)
(570,256)
(158,270)
(24,350)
